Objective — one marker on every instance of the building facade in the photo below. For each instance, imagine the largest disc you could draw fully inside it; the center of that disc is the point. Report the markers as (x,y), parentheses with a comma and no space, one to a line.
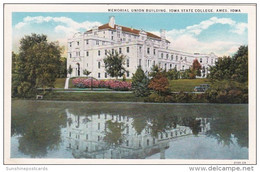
(87,51)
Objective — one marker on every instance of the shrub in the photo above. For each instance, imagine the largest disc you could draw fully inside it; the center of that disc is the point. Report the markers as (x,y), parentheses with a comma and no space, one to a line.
(228,92)
(160,84)
(140,83)
(112,84)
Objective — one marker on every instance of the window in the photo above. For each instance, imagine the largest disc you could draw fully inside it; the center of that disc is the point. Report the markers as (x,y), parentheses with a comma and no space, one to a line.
(70,55)
(127,49)
(113,51)
(171,57)
(127,143)
(87,53)
(200,60)
(148,50)
(176,58)
(170,66)
(167,56)
(105,52)
(153,140)
(98,75)
(185,58)
(99,65)
(154,63)
(98,52)
(77,42)
(127,73)
(154,52)
(105,75)
(97,42)
(70,44)
(86,149)
(140,62)
(159,64)
(127,63)
(147,142)
(70,134)
(77,147)
(98,138)
(112,37)
(98,116)
(120,50)
(86,137)
(162,55)
(181,58)
(165,66)
(98,126)
(211,61)
(87,41)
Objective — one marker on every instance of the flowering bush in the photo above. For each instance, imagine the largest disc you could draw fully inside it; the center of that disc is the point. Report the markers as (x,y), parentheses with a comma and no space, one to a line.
(112,84)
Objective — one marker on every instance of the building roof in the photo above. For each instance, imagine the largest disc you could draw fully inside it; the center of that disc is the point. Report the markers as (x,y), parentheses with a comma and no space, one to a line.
(127,29)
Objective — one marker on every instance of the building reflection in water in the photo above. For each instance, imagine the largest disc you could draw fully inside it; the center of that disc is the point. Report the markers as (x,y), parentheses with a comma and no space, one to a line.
(106,136)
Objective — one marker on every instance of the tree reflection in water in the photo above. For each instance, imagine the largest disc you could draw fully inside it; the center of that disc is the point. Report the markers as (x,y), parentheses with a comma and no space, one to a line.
(114,133)
(146,129)
(38,129)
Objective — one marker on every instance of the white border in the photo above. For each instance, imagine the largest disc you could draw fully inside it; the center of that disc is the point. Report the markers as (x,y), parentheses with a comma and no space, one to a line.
(8,9)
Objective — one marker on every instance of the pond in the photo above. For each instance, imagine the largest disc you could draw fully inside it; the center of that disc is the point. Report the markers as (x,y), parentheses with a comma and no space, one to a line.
(49,129)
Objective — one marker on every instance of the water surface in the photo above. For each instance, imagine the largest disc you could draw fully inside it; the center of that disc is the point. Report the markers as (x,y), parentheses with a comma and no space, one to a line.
(42,129)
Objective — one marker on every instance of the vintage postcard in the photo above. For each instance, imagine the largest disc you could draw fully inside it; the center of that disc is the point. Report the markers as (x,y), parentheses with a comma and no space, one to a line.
(130,84)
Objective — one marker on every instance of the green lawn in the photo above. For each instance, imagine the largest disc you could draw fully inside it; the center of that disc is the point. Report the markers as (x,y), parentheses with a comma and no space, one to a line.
(186,84)
(83,96)
(59,83)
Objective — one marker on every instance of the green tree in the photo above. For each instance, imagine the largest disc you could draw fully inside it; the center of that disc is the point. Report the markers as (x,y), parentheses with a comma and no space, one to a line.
(37,64)
(86,72)
(173,74)
(63,68)
(114,64)
(154,70)
(15,81)
(232,68)
(69,70)
(140,83)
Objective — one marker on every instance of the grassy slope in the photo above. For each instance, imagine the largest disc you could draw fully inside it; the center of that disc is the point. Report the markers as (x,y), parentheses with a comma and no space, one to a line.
(83,96)
(59,83)
(186,84)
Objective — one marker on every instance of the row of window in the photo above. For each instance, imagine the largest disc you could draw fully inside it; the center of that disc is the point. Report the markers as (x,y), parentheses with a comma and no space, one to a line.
(127,63)
(105,74)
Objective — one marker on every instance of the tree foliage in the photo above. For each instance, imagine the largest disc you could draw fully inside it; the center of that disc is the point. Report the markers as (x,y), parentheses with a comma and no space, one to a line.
(232,68)
(160,84)
(69,70)
(86,72)
(140,83)
(114,64)
(173,74)
(195,69)
(37,64)
(155,70)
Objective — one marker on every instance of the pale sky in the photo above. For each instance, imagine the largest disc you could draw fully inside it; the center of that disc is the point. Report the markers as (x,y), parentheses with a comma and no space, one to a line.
(189,32)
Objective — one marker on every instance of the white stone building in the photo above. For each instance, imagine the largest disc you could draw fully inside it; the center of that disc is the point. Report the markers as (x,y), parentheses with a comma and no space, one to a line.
(87,51)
